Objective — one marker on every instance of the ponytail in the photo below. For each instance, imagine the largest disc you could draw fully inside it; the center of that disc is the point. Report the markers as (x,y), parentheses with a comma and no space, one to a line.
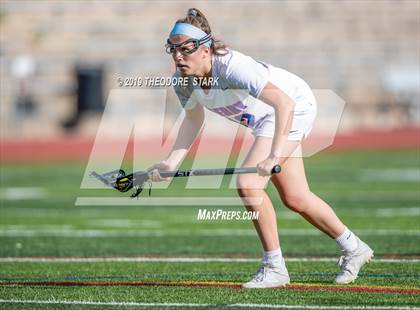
(196,18)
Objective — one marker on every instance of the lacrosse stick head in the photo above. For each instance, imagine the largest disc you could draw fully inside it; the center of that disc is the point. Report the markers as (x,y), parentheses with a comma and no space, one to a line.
(123,182)
(136,181)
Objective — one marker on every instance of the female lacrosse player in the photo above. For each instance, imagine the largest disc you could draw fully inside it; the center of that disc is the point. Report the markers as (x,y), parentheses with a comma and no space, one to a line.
(280,108)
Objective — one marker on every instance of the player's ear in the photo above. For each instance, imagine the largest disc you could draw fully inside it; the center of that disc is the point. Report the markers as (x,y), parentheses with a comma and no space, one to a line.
(206,52)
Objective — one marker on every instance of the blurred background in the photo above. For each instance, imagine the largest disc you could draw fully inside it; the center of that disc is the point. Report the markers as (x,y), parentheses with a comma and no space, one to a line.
(60,59)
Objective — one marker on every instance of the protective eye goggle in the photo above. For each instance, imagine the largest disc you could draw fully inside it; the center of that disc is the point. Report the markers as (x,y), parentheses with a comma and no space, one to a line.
(187,47)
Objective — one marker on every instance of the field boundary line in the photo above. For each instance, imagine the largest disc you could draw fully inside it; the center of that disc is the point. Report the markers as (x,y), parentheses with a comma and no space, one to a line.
(221,284)
(196,305)
(97,259)
(100,233)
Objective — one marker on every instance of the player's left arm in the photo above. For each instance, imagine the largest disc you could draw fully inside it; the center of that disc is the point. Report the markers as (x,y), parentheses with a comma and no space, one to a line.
(283,106)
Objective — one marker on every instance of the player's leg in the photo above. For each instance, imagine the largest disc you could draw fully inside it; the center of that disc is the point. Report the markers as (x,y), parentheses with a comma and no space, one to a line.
(295,193)
(251,188)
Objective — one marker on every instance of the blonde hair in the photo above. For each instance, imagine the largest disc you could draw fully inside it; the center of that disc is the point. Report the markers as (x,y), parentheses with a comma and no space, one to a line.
(196,18)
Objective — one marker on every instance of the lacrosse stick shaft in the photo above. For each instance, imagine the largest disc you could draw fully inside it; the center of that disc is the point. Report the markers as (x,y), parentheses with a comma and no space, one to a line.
(100,177)
(217,171)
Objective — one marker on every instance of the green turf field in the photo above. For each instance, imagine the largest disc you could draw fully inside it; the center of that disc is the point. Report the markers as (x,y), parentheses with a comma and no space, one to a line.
(162,256)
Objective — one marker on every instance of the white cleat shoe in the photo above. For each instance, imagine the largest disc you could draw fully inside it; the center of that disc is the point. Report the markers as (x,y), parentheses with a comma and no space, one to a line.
(269,276)
(351,262)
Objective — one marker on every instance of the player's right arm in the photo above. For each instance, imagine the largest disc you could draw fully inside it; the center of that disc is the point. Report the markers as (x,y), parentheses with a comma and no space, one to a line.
(190,127)
(188,132)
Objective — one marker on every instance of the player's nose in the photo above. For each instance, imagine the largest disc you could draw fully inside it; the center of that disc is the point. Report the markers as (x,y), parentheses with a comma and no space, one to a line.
(177,56)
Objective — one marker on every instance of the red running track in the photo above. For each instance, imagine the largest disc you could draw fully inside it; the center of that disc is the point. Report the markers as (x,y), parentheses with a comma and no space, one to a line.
(79,149)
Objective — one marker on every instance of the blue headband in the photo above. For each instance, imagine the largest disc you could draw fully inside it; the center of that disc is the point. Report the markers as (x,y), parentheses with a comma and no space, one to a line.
(191,31)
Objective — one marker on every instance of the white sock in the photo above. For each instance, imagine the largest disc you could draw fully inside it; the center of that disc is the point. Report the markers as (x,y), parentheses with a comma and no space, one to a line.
(272,257)
(347,241)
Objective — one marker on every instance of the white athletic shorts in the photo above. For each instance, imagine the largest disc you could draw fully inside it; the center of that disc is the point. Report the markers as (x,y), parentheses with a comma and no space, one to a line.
(303,117)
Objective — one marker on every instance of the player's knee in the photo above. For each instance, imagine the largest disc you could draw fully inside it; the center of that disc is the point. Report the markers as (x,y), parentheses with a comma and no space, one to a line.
(245,185)
(295,202)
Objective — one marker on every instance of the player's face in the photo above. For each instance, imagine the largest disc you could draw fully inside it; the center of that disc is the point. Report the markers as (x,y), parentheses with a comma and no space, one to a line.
(188,59)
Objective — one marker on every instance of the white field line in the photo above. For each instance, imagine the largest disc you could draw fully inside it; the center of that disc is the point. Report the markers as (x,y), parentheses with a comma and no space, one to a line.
(411,175)
(168,201)
(379,212)
(57,231)
(164,201)
(391,212)
(126,223)
(391,175)
(23,193)
(93,216)
(190,305)
(281,212)
(180,259)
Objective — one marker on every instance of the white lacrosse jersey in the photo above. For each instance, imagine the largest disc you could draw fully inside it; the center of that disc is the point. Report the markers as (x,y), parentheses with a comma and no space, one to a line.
(240,82)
